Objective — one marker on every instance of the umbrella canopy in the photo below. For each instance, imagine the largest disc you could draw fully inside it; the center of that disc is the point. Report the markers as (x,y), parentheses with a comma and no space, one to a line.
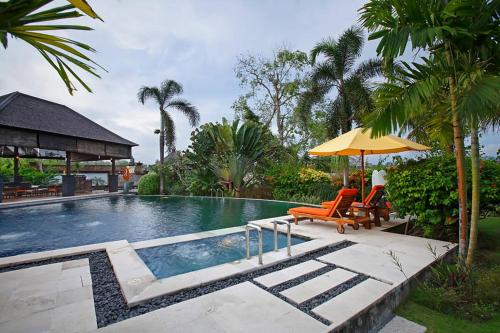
(359,142)
(356,142)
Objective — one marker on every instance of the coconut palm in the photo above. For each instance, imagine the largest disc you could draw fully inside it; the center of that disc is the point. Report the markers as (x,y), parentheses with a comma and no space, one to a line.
(165,98)
(26,20)
(338,72)
(450,30)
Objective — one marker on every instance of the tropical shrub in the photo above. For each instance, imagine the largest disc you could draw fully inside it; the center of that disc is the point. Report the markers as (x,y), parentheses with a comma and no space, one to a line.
(149,184)
(295,183)
(27,172)
(426,189)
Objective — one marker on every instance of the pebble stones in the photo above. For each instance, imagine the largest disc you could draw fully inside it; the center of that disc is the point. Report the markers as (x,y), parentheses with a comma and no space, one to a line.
(110,306)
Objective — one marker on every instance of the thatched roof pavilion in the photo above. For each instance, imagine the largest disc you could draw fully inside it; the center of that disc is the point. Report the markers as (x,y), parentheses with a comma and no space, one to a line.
(29,123)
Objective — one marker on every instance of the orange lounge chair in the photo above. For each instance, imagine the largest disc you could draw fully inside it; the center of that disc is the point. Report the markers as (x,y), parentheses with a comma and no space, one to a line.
(371,206)
(334,211)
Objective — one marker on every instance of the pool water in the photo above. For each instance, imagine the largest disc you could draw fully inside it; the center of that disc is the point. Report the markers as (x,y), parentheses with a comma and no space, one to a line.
(133,218)
(179,258)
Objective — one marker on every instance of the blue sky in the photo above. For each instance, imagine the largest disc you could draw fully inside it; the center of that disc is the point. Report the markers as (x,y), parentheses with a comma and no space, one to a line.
(193,42)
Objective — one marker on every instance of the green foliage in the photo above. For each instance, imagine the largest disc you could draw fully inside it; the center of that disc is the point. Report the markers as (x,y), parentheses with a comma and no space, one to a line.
(295,183)
(27,21)
(27,172)
(426,188)
(470,294)
(149,184)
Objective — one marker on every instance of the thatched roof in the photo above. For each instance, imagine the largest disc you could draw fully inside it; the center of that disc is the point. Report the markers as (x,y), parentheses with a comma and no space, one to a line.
(18,110)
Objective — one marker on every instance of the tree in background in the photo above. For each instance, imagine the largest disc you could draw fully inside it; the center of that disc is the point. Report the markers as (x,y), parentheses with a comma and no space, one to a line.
(458,34)
(338,72)
(165,98)
(275,84)
(25,20)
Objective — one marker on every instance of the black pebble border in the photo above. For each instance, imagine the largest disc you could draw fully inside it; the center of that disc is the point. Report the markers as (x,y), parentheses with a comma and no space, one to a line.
(110,305)
(310,304)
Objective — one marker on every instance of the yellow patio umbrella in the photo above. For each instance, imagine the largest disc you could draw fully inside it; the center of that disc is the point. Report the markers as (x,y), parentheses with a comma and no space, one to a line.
(359,142)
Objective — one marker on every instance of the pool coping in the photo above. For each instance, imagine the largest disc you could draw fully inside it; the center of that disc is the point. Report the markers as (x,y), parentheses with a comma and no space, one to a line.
(51,200)
(138,284)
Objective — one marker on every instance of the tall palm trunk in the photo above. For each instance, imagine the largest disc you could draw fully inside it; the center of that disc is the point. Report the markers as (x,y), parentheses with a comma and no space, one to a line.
(476,177)
(459,155)
(162,150)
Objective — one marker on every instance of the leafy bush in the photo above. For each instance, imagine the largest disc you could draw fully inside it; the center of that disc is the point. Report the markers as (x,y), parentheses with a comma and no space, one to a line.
(27,172)
(427,189)
(149,184)
(295,183)
(454,289)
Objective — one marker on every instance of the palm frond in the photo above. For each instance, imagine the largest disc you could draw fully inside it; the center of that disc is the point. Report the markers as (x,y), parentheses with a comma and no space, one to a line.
(326,47)
(22,20)
(187,109)
(369,69)
(170,88)
(348,49)
(169,133)
(146,93)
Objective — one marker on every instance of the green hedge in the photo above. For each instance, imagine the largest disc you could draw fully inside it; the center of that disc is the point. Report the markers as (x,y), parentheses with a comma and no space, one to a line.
(295,183)
(427,189)
(149,184)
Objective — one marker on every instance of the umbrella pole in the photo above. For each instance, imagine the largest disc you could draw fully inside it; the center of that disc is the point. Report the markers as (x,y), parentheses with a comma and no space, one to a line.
(363,177)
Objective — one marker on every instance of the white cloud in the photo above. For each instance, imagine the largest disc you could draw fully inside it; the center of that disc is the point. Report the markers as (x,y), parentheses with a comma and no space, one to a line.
(194,42)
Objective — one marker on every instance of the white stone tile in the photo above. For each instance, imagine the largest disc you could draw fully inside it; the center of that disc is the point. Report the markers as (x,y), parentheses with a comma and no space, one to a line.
(373,261)
(352,301)
(275,278)
(240,308)
(317,285)
(38,322)
(24,304)
(74,296)
(74,318)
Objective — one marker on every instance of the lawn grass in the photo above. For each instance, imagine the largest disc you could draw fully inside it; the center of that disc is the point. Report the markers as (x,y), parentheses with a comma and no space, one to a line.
(487,265)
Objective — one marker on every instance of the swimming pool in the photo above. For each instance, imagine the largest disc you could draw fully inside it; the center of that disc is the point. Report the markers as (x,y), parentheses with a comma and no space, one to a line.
(133,218)
(178,258)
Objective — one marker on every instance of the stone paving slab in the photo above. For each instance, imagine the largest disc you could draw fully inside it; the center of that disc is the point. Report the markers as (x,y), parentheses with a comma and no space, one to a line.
(240,308)
(376,262)
(352,301)
(278,277)
(402,325)
(50,298)
(317,285)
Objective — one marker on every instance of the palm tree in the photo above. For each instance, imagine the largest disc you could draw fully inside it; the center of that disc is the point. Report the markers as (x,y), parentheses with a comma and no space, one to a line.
(25,20)
(164,96)
(338,72)
(450,30)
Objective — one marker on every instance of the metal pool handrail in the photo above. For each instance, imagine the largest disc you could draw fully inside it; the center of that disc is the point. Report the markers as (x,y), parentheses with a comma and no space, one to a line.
(288,235)
(248,227)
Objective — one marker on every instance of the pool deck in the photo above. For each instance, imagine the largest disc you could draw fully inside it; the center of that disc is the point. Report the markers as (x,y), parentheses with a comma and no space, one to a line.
(34,299)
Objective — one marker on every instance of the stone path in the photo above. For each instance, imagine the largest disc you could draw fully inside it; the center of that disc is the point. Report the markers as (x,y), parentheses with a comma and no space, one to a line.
(318,285)
(241,308)
(337,288)
(51,298)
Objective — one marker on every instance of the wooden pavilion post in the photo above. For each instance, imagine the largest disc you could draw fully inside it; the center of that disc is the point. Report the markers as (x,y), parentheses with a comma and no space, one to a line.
(68,180)
(113,178)
(68,163)
(17,178)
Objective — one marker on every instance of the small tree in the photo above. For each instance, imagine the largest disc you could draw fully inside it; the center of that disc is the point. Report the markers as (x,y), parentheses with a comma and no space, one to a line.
(275,85)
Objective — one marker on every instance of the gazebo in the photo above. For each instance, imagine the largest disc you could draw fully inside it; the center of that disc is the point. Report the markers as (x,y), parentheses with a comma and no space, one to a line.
(37,128)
